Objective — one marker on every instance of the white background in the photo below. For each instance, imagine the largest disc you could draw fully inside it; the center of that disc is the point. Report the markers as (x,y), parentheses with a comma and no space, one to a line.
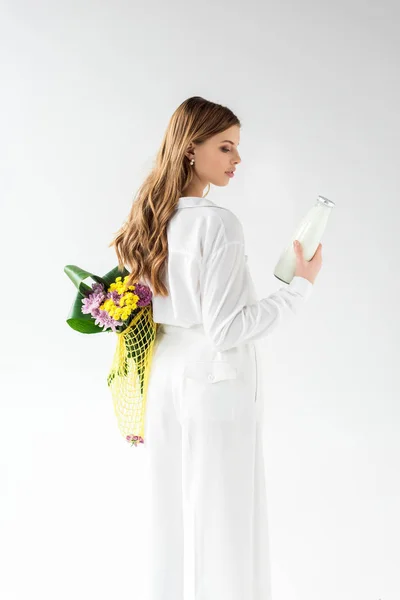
(87,89)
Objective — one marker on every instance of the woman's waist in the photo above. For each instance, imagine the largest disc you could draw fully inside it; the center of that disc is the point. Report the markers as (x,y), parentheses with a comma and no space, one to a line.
(183,343)
(179,330)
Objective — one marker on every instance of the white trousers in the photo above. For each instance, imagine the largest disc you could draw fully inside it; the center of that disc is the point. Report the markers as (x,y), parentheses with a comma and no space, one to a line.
(208,537)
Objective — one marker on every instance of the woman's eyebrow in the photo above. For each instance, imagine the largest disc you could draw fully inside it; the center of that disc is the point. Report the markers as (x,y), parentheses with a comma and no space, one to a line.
(228,141)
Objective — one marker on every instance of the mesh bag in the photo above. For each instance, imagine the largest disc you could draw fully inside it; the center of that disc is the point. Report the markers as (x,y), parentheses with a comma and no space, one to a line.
(129,375)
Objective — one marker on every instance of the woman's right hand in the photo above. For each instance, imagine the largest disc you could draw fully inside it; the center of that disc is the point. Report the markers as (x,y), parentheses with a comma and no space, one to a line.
(308,269)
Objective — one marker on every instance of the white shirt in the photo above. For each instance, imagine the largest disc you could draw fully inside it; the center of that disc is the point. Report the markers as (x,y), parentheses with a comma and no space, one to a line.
(209,281)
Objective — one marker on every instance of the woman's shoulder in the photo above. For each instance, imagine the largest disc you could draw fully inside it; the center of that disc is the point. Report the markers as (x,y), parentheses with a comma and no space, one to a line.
(214,224)
(220,226)
(228,222)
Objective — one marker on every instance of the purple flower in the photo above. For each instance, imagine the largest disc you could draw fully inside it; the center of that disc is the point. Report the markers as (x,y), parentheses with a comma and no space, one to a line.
(94,299)
(98,287)
(115,297)
(105,320)
(144,293)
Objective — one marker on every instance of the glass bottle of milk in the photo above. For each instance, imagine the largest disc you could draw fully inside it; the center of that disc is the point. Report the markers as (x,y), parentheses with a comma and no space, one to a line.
(309,233)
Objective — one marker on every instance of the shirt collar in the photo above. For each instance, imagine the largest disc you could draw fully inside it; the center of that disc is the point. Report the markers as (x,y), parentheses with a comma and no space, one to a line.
(190,201)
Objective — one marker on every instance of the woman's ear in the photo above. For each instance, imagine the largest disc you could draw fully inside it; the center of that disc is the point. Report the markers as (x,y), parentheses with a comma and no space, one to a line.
(190,152)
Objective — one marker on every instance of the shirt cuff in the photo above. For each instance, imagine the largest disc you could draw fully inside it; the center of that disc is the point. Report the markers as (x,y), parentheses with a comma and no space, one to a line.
(301,285)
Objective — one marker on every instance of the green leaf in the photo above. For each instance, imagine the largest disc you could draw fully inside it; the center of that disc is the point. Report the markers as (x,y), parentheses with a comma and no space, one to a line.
(78,276)
(112,275)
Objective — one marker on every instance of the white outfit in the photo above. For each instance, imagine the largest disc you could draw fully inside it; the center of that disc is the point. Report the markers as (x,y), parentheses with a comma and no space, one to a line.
(203,429)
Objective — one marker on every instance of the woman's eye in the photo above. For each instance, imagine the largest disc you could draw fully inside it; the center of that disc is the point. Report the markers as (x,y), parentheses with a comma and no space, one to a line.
(225,149)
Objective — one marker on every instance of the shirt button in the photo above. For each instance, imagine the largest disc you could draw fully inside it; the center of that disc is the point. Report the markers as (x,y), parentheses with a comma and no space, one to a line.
(211,377)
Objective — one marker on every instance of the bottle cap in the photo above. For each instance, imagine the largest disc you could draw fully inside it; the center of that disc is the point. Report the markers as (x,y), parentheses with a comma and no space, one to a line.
(325,201)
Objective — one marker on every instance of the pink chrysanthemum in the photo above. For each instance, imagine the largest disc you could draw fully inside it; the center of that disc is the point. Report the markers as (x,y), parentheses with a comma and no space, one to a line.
(94,299)
(105,320)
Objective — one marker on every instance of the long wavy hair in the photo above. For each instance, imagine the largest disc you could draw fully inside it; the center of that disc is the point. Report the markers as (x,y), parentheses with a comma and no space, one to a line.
(141,243)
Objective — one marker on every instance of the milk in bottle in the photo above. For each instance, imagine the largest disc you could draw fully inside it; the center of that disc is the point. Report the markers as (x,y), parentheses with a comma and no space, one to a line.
(309,233)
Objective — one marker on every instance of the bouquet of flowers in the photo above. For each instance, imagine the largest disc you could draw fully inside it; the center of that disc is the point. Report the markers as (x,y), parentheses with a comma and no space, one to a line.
(110,305)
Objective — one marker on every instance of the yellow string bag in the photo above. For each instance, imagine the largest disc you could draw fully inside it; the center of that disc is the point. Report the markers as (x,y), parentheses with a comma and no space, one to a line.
(129,375)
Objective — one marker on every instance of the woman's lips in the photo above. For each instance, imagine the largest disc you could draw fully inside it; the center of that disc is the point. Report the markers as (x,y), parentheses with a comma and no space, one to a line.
(229,174)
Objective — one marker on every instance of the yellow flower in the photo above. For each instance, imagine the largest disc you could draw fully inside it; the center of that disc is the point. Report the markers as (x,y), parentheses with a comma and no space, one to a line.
(129,299)
(107,304)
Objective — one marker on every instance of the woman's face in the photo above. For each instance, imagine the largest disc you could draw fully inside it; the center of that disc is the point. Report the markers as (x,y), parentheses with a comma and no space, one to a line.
(216,156)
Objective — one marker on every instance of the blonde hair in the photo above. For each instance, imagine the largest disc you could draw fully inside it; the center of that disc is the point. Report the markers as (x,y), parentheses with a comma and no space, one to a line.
(141,242)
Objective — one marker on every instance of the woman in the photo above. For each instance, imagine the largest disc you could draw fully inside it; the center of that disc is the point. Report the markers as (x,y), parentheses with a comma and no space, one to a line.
(208,512)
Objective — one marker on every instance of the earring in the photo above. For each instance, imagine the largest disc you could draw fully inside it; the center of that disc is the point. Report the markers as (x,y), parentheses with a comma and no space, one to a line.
(192,161)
